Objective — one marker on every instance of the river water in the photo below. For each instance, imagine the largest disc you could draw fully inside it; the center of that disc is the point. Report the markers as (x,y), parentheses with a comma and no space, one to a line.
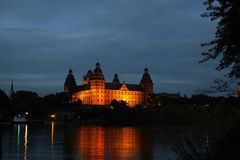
(93,142)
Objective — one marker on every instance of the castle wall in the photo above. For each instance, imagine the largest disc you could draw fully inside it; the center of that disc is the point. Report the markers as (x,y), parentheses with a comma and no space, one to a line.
(105,96)
(131,97)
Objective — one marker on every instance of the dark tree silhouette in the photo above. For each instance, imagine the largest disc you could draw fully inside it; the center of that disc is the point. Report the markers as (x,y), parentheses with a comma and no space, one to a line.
(226,87)
(226,44)
(119,104)
(57,100)
(26,101)
(4,100)
(4,105)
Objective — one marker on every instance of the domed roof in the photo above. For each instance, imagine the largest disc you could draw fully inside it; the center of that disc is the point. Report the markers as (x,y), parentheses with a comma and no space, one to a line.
(70,71)
(146,69)
(88,75)
(89,72)
(115,79)
(146,77)
(97,69)
(97,64)
(70,82)
(97,72)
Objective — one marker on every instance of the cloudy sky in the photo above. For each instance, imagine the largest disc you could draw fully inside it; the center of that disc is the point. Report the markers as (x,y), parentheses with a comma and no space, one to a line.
(40,39)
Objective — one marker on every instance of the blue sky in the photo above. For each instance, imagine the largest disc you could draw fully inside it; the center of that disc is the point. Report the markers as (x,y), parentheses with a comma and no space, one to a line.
(40,39)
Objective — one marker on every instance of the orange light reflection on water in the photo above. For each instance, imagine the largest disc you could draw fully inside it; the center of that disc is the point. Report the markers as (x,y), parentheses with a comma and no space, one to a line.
(91,143)
(52,134)
(25,142)
(98,143)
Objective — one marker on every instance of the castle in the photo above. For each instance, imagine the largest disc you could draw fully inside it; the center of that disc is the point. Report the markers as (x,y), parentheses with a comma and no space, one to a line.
(96,91)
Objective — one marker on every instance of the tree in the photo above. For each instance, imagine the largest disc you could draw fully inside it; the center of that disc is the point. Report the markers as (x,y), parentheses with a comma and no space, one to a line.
(4,100)
(26,101)
(119,104)
(57,100)
(225,87)
(5,106)
(226,44)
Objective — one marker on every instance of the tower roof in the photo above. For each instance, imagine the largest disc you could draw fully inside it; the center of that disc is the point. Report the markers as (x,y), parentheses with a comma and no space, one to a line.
(146,77)
(97,72)
(70,71)
(88,75)
(70,82)
(115,79)
(146,69)
(97,68)
(97,64)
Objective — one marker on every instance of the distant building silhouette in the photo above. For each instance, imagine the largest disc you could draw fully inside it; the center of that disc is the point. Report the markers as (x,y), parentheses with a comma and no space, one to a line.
(96,91)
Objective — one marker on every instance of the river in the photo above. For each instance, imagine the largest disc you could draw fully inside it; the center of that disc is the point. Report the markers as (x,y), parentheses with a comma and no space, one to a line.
(94,142)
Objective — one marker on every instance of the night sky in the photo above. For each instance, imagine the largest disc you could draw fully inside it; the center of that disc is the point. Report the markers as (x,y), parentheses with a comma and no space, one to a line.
(40,39)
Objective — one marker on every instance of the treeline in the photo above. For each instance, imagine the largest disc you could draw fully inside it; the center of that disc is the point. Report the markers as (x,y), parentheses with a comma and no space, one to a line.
(197,109)
(27,101)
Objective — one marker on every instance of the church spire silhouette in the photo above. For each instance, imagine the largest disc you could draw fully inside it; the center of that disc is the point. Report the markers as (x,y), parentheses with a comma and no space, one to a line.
(11,90)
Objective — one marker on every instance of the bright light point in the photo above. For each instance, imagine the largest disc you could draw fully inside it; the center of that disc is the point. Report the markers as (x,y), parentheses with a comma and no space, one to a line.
(53,116)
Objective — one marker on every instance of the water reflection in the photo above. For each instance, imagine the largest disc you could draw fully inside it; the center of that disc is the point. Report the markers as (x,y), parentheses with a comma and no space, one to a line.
(20,133)
(125,143)
(52,140)
(52,135)
(18,136)
(25,142)
(98,143)
(90,142)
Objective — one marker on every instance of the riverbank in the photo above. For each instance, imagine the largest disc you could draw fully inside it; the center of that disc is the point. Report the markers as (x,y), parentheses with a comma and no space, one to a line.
(168,114)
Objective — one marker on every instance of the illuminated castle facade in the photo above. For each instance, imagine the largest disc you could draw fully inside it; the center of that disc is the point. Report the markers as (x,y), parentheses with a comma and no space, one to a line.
(96,91)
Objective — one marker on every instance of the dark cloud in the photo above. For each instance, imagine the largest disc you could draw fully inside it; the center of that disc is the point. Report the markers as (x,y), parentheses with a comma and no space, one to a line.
(39,39)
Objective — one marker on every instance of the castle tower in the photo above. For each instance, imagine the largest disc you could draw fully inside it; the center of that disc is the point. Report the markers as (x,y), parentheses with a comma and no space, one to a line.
(70,83)
(97,72)
(147,86)
(97,85)
(87,77)
(115,79)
